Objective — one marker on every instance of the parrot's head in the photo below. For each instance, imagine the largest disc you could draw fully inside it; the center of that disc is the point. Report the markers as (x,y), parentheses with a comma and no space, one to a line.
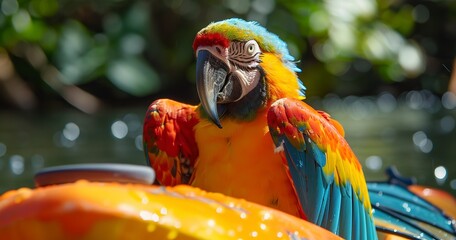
(241,67)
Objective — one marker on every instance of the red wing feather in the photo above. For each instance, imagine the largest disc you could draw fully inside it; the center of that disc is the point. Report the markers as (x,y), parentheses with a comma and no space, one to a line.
(169,140)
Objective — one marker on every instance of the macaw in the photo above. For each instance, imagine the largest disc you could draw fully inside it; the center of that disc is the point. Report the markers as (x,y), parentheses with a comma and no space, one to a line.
(253,137)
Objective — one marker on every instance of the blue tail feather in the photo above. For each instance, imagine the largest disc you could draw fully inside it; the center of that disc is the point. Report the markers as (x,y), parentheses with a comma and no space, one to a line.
(335,209)
(346,215)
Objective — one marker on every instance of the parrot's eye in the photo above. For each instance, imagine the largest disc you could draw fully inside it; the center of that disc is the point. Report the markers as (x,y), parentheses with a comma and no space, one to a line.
(252,47)
(244,54)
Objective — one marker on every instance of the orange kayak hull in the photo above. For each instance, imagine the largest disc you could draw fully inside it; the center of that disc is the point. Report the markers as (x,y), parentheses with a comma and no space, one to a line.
(88,210)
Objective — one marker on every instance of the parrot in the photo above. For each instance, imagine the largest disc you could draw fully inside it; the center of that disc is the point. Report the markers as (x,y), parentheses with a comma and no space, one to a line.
(253,136)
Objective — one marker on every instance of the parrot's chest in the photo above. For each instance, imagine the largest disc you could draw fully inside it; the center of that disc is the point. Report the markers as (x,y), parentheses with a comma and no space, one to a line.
(239,161)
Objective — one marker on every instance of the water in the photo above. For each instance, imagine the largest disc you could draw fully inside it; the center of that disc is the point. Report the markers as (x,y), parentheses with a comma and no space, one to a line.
(415,132)
(31,142)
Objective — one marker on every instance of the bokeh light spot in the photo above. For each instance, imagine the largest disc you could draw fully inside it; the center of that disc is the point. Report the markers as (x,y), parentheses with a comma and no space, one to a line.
(71,131)
(132,44)
(447,124)
(2,149)
(139,142)
(420,13)
(16,164)
(386,102)
(411,59)
(21,20)
(238,6)
(449,100)
(418,137)
(440,173)
(453,184)
(414,99)
(263,6)
(119,129)
(9,7)
(374,163)
(319,21)
(423,143)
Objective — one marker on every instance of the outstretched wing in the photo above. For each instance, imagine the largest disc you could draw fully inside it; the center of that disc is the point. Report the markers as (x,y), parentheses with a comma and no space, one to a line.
(325,172)
(169,140)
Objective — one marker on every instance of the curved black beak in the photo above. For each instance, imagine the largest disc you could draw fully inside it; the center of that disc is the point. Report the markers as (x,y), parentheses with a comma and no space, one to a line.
(211,73)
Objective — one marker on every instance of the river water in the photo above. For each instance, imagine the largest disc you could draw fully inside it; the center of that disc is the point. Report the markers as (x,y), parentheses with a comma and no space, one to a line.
(416,132)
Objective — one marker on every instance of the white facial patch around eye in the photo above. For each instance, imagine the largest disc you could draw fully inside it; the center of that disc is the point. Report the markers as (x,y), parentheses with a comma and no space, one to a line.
(251,48)
(244,54)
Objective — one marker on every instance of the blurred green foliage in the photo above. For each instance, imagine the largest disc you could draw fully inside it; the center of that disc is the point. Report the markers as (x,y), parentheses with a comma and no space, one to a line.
(90,53)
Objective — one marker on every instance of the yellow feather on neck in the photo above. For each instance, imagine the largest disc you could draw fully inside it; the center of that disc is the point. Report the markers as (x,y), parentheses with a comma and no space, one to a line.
(281,81)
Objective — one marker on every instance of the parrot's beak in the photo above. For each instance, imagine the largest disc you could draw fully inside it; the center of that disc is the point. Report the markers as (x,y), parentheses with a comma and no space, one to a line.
(211,73)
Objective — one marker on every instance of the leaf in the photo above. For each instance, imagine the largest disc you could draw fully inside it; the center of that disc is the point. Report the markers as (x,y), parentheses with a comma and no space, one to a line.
(133,76)
(81,69)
